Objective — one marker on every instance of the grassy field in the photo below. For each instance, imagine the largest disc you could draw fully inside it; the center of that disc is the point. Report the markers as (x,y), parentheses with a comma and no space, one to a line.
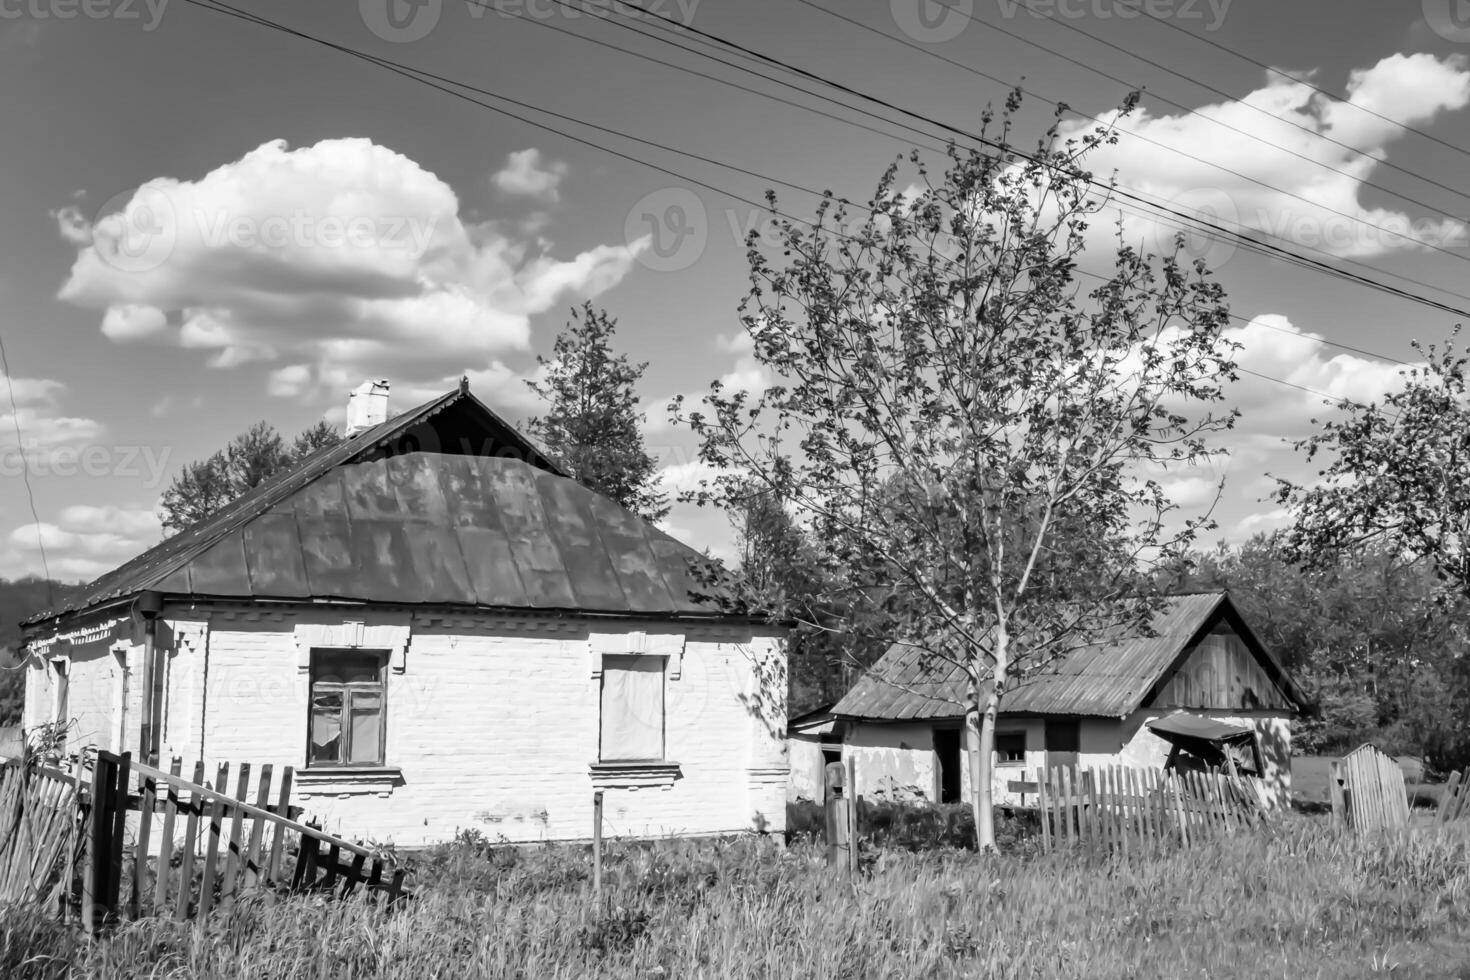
(1298,901)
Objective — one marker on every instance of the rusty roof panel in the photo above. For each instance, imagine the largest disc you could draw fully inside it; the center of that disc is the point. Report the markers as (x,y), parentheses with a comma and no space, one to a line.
(367,521)
(575,538)
(494,578)
(1108,679)
(273,555)
(542,571)
(632,556)
(221,570)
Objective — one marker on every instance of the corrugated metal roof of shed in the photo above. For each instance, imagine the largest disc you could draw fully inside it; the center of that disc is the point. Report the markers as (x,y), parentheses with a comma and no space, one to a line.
(1107,679)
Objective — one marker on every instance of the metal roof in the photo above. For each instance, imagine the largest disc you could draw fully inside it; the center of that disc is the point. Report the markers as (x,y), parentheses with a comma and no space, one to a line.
(445,504)
(1106,679)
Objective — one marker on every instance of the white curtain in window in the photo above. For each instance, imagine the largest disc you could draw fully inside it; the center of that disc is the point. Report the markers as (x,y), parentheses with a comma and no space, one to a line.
(632,708)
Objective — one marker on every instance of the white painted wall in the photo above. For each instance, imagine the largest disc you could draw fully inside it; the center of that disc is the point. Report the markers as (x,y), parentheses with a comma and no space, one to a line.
(893,762)
(808,778)
(492,721)
(897,761)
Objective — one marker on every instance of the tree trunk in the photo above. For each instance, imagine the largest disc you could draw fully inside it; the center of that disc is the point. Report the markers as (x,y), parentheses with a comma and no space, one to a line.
(980,723)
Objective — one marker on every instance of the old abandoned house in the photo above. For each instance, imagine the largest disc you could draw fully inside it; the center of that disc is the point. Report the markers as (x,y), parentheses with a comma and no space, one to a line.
(441,632)
(1203,678)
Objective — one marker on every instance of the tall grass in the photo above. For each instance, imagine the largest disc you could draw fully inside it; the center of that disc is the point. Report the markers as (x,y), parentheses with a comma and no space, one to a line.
(1298,901)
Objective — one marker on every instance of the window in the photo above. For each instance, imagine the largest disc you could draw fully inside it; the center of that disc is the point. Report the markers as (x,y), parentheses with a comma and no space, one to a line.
(61,690)
(1010,748)
(632,709)
(347,709)
(1063,735)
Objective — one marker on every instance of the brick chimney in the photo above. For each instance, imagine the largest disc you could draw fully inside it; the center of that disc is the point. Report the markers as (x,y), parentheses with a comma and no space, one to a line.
(367,406)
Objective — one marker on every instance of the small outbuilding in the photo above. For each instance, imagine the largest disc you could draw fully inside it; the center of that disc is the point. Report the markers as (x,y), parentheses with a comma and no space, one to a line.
(1202,677)
(440,631)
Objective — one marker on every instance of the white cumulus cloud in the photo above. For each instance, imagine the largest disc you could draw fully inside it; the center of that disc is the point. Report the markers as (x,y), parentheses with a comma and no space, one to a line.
(332,262)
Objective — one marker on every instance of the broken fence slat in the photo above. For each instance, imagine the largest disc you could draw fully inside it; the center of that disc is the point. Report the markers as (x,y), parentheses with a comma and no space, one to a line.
(166,840)
(231,880)
(257,830)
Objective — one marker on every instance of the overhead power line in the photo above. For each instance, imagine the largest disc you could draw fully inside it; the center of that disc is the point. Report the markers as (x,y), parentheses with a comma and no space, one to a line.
(1208,88)
(1459,256)
(639,28)
(433,82)
(25,469)
(1298,79)
(955,131)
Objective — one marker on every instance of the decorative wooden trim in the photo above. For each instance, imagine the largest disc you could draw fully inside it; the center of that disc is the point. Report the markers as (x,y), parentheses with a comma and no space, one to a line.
(636,643)
(633,776)
(391,633)
(346,782)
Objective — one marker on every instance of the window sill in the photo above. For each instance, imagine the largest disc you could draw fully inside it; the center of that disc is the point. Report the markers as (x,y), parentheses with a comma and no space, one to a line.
(635,775)
(343,781)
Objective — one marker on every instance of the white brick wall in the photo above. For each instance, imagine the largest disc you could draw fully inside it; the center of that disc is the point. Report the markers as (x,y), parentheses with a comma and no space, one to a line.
(493,724)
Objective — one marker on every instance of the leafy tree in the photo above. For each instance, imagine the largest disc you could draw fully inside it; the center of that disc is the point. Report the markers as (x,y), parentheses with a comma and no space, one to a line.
(203,487)
(592,423)
(945,340)
(1397,473)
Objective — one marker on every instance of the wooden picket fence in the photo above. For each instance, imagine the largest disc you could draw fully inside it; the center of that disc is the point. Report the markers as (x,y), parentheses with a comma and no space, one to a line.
(39,836)
(1368,791)
(1454,802)
(1120,808)
(229,846)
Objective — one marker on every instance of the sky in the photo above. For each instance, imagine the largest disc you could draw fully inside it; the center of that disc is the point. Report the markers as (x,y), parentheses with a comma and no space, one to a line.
(204,222)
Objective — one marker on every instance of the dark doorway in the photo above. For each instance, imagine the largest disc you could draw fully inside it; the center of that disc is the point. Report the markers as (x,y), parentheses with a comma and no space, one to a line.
(947,754)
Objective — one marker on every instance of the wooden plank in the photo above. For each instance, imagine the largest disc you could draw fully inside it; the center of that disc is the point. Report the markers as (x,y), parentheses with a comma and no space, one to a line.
(333,865)
(232,856)
(1067,810)
(1043,799)
(99,842)
(304,876)
(140,854)
(166,841)
(257,829)
(119,827)
(278,818)
(191,842)
(353,878)
(211,848)
(278,836)
(395,888)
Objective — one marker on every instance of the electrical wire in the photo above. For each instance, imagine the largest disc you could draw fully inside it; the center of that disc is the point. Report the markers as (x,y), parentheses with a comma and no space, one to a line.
(25,469)
(433,82)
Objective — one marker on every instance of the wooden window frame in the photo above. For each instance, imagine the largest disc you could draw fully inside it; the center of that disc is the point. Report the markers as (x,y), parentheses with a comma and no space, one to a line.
(613,661)
(344,748)
(1000,757)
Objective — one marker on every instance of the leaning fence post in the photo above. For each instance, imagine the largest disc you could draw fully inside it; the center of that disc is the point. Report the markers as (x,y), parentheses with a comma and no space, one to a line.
(597,848)
(839,818)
